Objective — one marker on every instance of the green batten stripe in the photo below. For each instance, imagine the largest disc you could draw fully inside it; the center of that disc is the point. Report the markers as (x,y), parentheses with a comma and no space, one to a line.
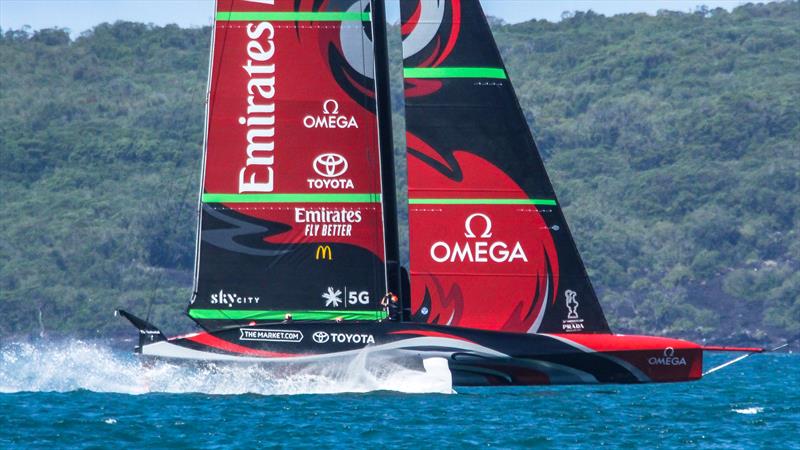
(481,201)
(291,198)
(234,314)
(294,16)
(454,72)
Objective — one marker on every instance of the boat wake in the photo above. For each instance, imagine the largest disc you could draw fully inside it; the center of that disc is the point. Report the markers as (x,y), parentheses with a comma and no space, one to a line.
(81,365)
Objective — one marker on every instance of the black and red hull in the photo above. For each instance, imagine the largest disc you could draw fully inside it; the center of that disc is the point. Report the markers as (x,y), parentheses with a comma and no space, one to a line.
(475,357)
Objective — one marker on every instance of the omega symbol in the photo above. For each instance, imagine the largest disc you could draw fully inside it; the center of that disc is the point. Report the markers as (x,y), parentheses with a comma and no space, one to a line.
(487,231)
(330,107)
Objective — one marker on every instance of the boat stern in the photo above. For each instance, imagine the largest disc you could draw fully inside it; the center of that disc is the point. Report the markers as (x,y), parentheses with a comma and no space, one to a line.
(148,333)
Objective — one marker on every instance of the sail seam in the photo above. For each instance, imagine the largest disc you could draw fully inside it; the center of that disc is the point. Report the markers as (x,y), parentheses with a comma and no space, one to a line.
(292,198)
(455,72)
(471,274)
(481,201)
(226,314)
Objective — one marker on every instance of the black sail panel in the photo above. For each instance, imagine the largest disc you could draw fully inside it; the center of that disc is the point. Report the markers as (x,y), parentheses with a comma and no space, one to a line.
(490,247)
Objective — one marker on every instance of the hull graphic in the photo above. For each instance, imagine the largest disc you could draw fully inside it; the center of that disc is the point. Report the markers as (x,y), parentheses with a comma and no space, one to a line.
(475,357)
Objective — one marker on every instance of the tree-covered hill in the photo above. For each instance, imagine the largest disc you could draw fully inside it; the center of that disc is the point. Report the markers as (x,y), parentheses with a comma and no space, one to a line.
(673,142)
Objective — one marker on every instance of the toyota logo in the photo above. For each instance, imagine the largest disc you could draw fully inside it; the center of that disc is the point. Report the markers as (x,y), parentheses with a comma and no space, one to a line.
(330,165)
(320,337)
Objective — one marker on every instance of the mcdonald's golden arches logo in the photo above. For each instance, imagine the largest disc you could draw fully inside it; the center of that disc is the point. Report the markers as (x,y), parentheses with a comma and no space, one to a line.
(324,252)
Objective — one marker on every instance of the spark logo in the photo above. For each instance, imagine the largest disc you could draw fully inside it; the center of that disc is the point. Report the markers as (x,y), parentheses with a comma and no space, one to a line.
(333,297)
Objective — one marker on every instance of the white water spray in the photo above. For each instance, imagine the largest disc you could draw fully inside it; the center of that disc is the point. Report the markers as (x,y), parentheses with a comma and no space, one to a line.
(76,365)
(749,411)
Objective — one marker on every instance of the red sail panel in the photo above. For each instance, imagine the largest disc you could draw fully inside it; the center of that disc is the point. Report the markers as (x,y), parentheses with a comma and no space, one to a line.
(291,218)
(490,264)
(490,247)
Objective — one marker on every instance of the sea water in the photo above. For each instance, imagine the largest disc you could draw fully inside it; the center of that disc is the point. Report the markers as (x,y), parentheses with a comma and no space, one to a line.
(86,395)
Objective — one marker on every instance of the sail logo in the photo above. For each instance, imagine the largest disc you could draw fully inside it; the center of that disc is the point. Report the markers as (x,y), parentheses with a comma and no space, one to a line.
(573,321)
(257,334)
(334,298)
(230,299)
(572,304)
(478,248)
(330,166)
(669,359)
(324,252)
(330,118)
(258,174)
(321,337)
(327,222)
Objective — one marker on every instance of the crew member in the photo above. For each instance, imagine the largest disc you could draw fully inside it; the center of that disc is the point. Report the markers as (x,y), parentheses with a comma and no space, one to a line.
(385,303)
(394,308)
(391,305)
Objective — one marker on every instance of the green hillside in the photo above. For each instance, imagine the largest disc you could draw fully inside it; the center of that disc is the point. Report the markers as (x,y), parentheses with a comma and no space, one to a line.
(673,142)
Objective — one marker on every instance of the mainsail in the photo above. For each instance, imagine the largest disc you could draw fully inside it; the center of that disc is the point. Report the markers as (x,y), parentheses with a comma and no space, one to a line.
(490,247)
(290,217)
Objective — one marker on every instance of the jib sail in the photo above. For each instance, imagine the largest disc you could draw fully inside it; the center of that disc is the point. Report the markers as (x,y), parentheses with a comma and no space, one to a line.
(290,218)
(489,244)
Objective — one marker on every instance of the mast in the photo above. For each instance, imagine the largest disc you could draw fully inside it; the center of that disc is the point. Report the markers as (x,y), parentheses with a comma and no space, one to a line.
(386,143)
(199,228)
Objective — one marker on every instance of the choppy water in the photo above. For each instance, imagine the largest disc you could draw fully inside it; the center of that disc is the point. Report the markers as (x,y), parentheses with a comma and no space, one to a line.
(84,395)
